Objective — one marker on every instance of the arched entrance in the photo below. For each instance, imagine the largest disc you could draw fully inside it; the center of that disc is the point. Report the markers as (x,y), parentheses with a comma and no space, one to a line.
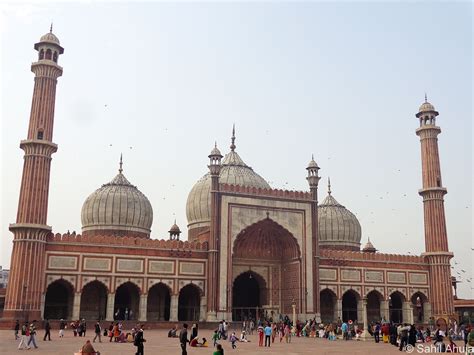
(248,296)
(328,301)
(189,303)
(349,306)
(94,301)
(395,306)
(273,250)
(58,300)
(374,298)
(158,303)
(418,301)
(127,300)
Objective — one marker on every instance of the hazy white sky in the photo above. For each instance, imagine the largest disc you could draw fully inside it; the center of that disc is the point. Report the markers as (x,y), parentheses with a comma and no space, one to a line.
(161,82)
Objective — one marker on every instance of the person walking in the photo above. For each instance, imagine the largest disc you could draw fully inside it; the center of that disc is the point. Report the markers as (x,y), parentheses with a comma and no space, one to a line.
(24,337)
(62,326)
(32,334)
(47,330)
(97,330)
(268,334)
(183,339)
(17,329)
(139,340)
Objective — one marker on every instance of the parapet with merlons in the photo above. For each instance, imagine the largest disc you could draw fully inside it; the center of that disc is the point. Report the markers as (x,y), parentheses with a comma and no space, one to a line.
(112,241)
(275,193)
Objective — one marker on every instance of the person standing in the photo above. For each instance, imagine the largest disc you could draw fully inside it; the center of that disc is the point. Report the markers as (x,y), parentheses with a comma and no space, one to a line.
(268,334)
(260,335)
(33,334)
(345,330)
(139,340)
(17,329)
(183,339)
(47,331)
(83,327)
(377,332)
(24,336)
(97,330)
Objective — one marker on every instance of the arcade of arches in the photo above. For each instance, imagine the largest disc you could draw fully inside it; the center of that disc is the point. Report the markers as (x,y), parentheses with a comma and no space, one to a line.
(396,308)
(266,261)
(127,303)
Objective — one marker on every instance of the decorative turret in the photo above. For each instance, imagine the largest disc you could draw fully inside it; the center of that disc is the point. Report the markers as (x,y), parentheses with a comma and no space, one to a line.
(174,231)
(215,161)
(313,175)
(369,247)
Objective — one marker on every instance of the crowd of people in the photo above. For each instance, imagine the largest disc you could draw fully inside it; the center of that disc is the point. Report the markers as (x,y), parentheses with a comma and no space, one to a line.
(403,336)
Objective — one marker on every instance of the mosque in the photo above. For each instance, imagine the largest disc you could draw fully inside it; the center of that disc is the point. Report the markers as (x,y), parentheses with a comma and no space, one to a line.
(252,250)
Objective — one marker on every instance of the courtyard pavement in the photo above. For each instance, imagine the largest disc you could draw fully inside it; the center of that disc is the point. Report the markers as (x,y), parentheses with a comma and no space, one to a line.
(159,343)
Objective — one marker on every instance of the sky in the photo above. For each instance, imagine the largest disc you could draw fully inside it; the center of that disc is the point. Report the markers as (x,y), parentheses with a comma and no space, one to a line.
(160,82)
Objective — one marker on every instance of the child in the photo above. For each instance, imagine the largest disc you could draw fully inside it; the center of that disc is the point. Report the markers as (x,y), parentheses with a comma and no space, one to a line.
(233,339)
(215,337)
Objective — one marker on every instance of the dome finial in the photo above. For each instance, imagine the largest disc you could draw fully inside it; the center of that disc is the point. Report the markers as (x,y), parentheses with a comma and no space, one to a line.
(120,164)
(51,28)
(329,185)
(232,146)
(426,97)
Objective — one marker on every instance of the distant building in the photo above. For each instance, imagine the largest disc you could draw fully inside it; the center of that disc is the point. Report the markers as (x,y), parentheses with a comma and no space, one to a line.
(4,277)
(252,250)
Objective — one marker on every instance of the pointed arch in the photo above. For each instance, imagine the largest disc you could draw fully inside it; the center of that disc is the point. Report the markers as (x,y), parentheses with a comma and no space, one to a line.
(59,300)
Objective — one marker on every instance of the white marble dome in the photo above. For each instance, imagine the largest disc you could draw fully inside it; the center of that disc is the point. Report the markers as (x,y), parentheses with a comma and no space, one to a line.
(119,208)
(338,228)
(50,38)
(234,171)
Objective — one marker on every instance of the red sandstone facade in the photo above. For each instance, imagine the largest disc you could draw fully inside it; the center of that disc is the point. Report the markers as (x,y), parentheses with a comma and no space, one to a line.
(253,250)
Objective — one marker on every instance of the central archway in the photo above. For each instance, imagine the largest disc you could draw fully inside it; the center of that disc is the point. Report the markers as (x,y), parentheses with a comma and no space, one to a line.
(271,249)
(349,306)
(248,296)
(328,301)
(94,301)
(58,300)
(189,303)
(395,306)
(127,299)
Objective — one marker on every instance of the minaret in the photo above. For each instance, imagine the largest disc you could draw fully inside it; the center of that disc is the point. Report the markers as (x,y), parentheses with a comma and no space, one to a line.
(24,291)
(213,258)
(313,181)
(436,240)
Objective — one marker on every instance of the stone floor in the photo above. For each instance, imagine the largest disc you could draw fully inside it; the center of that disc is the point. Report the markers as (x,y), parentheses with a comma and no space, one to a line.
(159,343)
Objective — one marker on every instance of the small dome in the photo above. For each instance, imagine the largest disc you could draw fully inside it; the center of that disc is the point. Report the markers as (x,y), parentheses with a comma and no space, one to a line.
(117,208)
(369,247)
(50,38)
(338,228)
(215,151)
(427,107)
(234,171)
(312,164)
(174,229)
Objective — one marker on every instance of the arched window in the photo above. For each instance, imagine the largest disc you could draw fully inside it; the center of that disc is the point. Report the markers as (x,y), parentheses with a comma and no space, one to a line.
(55,57)
(41,54)
(40,134)
(49,54)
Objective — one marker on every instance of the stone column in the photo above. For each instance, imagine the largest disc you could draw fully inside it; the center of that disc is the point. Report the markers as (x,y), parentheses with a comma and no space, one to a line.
(110,307)
(43,299)
(338,310)
(76,306)
(174,308)
(407,312)
(365,333)
(360,310)
(142,308)
(202,309)
(426,312)
(384,310)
